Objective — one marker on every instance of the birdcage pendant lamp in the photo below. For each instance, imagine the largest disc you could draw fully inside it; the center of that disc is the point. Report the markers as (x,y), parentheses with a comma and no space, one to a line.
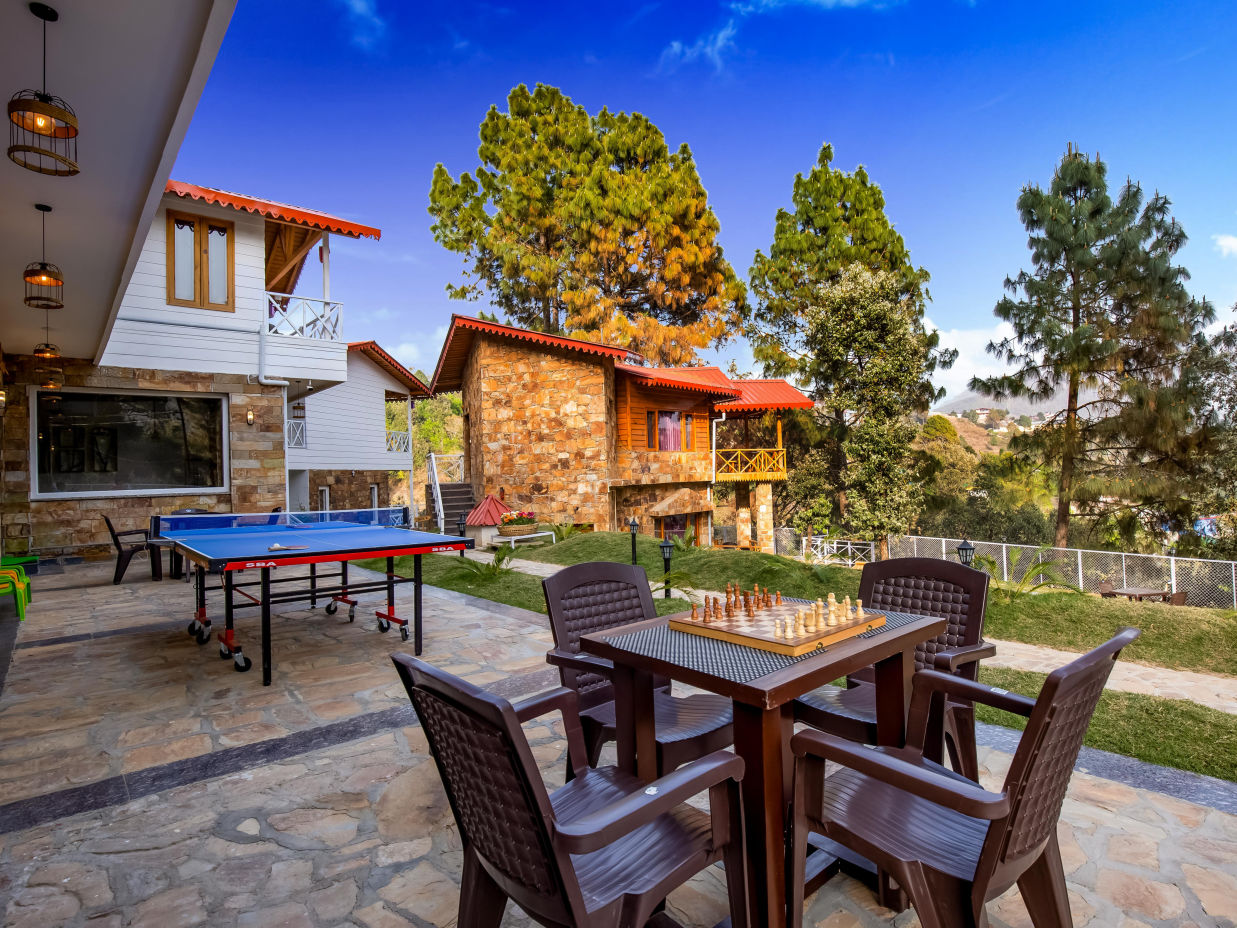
(44,282)
(42,126)
(46,351)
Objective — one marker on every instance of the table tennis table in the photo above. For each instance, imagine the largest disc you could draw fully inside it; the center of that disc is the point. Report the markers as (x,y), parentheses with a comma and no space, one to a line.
(231,543)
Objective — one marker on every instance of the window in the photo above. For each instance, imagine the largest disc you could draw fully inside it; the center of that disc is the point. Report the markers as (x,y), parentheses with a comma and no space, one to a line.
(650,429)
(689,435)
(200,262)
(136,444)
(373,496)
(669,431)
(324,499)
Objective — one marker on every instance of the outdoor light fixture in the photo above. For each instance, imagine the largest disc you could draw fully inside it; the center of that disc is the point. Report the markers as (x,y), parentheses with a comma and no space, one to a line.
(634,526)
(249,416)
(46,351)
(298,409)
(667,549)
(43,127)
(4,399)
(44,282)
(50,378)
(966,552)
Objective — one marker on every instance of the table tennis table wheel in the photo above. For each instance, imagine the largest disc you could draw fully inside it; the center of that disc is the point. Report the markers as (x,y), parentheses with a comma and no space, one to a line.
(352,613)
(332,607)
(403,631)
(241,663)
(224,651)
(384,626)
(199,633)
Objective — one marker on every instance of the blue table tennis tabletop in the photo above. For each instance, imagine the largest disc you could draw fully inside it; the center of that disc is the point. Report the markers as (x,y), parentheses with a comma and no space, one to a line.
(304,543)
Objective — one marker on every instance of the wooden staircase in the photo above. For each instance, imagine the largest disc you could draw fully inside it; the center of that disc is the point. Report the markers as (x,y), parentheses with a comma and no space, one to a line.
(457,500)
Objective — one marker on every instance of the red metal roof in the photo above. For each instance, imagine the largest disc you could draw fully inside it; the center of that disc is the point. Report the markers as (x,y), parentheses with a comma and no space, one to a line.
(487,512)
(449,374)
(375,353)
(763,395)
(272,210)
(708,380)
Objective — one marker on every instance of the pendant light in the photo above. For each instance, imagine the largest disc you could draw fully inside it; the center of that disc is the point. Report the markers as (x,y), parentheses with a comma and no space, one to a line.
(44,282)
(47,351)
(43,127)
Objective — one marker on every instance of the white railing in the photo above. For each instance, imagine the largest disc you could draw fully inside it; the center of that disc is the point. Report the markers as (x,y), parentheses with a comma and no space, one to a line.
(431,466)
(398,441)
(298,434)
(451,468)
(837,550)
(443,468)
(303,316)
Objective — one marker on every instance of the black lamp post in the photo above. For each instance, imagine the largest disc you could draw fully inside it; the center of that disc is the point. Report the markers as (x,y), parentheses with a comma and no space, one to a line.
(633,525)
(667,549)
(460,522)
(966,552)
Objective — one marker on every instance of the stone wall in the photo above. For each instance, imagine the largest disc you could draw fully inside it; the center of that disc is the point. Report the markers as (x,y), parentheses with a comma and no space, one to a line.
(349,489)
(540,427)
(75,526)
(636,500)
(661,467)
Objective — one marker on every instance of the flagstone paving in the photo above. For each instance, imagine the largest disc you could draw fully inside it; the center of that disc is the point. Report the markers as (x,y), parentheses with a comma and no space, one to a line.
(354,830)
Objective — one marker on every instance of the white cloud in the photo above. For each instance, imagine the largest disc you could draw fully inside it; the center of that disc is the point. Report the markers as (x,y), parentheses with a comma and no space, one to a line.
(713,46)
(1226,245)
(407,353)
(973,358)
(420,350)
(368,27)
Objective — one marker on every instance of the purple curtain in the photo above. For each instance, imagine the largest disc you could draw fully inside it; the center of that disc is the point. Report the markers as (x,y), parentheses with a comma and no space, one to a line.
(668,431)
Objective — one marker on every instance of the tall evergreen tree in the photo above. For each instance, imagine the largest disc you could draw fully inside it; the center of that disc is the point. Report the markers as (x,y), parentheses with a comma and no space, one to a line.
(1105,314)
(591,225)
(838,223)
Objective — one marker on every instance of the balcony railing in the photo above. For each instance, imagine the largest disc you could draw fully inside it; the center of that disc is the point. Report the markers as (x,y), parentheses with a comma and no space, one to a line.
(743,464)
(303,316)
(298,435)
(398,441)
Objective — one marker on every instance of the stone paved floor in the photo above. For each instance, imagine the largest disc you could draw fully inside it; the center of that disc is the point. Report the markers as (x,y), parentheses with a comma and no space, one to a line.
(356,832)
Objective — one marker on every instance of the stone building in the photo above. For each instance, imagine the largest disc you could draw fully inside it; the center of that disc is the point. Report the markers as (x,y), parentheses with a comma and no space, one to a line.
(585,433)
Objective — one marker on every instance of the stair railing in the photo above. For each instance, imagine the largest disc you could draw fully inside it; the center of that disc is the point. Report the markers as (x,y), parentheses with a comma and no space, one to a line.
(433,475)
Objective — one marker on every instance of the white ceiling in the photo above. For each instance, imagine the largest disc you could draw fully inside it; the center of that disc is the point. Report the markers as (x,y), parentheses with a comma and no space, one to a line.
(133,71)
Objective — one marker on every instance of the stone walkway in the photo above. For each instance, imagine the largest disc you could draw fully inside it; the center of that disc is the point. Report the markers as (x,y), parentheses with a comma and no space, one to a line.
(147,785)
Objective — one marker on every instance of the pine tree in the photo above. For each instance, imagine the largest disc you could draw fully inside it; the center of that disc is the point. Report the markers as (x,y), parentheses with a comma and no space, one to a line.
(1105,314)
(838,222)
(589,225)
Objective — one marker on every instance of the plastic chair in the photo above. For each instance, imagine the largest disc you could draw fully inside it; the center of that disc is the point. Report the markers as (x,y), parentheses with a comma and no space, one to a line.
(11,586)
(1106,590)
(125,550)
(18,576)
(950,844)
(604,850)
(597,596)
(924,586)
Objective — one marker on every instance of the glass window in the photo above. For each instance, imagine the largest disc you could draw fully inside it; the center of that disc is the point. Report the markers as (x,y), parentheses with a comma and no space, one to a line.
(217,262)
(104,442)
(184,250)
(689,436)
(668,431)
(650,429)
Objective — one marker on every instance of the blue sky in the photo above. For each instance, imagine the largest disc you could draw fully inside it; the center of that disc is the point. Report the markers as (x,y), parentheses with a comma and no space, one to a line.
(952,106)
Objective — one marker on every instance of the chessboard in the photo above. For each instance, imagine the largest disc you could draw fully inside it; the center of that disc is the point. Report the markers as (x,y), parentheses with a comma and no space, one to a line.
(758,620)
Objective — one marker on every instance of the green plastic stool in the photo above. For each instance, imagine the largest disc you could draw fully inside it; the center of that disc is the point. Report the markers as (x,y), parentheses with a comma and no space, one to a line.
(19,596)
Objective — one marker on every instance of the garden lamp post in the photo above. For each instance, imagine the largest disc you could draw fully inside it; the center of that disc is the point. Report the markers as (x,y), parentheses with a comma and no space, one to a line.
(633,525)
(460,522)
(667,549)
(966,552)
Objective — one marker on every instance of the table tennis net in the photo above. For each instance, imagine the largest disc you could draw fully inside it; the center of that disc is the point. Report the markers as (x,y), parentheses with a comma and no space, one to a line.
(326,519)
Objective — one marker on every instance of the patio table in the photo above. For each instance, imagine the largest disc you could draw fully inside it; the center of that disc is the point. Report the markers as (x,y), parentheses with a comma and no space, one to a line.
(762,686)
(1141,592)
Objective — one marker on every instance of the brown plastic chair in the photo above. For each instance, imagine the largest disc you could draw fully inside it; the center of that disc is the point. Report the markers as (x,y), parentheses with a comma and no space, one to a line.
(1107,590)
(125,550)
(604,850)
(924,586)
(1178,598)
(603,595)
(950,844)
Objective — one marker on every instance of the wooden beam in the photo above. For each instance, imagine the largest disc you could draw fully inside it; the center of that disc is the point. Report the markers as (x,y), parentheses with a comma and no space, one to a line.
(295,260)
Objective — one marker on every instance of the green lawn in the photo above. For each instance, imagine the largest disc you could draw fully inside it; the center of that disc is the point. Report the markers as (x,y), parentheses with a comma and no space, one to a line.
(1168,732)
(1182,638)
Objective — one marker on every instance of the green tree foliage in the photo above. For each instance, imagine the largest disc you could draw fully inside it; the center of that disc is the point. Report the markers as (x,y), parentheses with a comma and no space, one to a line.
(589,225)
(838,221)
(948,464)
(437,425)
(1024,422)
(1104,309)
(939,428)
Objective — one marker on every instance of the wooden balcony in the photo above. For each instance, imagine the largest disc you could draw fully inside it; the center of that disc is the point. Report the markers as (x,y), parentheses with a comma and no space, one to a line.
(745,465)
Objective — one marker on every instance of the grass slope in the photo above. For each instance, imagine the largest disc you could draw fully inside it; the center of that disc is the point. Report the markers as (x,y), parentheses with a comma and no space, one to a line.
(1179,638)
(1202,740)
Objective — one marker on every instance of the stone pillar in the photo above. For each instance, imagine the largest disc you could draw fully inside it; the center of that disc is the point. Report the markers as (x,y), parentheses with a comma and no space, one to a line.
(743,515)
(763,506)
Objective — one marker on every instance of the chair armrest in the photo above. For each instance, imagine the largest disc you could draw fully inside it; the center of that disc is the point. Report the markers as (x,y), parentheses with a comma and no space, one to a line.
(136,531)
(933,681)
(967,798)
(953,658)
(564,700)
(585,663)
(604,826)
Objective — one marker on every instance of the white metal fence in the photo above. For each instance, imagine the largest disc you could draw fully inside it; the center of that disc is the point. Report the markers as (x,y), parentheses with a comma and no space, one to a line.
(838,550)
(303,316)
(398,441)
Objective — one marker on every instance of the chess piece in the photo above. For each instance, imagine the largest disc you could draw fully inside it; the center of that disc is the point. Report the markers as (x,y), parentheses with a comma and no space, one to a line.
(777,598)
(846,609)
(777,628)
(768,599)
(694,616)
(859,608)
(800,629)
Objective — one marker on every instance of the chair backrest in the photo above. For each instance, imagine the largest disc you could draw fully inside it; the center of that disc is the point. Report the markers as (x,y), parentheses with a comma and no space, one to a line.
(1105,588)
(111,530)
(594,597)
(1040,771)
(1178,598)
(493,784)
(927,586)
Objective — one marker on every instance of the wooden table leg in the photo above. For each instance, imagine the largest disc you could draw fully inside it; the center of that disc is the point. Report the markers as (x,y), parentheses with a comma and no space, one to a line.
(762,739)
(633,721)
(893,697)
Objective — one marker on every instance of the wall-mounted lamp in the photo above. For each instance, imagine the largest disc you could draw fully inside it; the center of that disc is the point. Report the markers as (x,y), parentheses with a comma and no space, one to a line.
(4,399)
(249,416)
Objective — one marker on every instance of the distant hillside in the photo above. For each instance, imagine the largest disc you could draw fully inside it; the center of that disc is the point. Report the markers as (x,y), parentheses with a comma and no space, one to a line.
(1017,406)
(981,440)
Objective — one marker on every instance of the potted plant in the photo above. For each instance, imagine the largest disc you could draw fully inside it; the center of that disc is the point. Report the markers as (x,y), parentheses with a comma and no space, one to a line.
(517,523)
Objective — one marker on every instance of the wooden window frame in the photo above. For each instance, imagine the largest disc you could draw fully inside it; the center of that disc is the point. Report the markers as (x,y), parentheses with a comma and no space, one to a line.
(200,262)
(650,426)
(687,432)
